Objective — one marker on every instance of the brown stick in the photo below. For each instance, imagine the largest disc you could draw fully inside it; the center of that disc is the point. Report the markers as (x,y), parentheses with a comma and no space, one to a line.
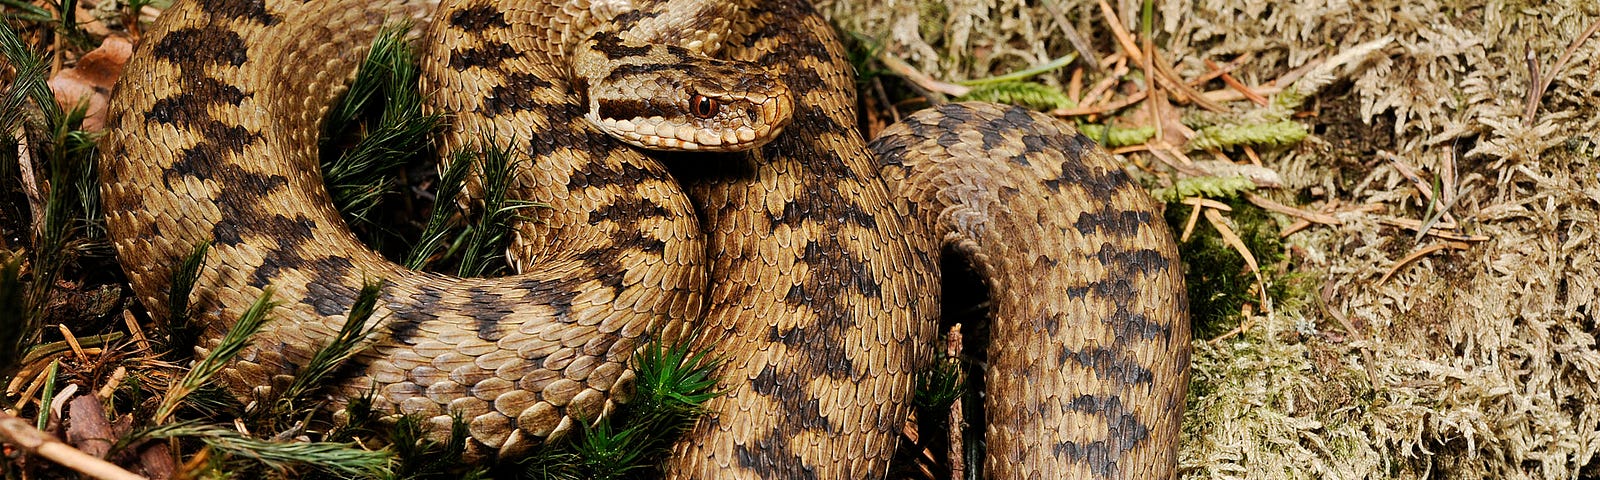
(18,432)
(1537,94)
(958,419)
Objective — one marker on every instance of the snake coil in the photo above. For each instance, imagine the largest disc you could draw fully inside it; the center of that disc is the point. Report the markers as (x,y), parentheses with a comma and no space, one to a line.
(806,258)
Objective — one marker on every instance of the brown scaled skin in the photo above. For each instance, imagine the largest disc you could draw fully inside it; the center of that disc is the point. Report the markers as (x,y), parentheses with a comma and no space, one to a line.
(1089,350)
(824,290)
(823,276)
(213,139)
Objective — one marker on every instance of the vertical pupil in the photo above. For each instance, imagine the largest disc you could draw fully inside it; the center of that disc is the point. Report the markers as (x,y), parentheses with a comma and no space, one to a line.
(704,107)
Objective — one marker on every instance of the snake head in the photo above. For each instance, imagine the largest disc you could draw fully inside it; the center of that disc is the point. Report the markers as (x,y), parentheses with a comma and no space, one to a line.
(670,99)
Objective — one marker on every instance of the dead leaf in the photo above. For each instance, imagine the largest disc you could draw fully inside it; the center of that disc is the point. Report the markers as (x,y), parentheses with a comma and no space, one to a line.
(91,80)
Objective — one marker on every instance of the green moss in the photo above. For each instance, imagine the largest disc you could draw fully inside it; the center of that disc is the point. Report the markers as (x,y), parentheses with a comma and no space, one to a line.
(1113,136)
(1208,187)
(1220,282)
(1270,135)
(1037,96)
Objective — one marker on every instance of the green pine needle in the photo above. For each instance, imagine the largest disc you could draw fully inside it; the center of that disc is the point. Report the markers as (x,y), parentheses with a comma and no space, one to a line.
(1020,75)
(451,182)
(49,392)
(331,356)
(941,384)
(341,460)
(31,70)
(385,88)
(232,343)
(490,236)
(605,453)
(418,457)
(183,334)
(673,382)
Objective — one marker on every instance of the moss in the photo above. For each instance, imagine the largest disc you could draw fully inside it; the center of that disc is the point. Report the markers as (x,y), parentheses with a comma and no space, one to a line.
(1219,281)
(1029,94)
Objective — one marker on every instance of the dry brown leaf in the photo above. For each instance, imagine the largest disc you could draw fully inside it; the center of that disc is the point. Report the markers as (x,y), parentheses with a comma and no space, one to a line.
(91,80)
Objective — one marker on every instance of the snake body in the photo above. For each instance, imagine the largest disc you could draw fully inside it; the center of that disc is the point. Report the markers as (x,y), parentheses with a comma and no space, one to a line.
(809,262)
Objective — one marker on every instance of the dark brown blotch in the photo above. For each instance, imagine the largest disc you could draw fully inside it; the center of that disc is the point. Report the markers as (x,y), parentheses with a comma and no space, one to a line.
(250,10)
(191,106)
(208,45)
(611,46)
(628,109)
(771,457)
(1112,223)
(1107,363)
(479,17)
(487,309)
(487,55)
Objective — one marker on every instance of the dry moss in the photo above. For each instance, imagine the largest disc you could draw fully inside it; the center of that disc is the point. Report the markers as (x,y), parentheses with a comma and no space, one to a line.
(1467,363)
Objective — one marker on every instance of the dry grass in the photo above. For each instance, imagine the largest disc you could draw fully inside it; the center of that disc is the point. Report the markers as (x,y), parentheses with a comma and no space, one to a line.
(1458,363)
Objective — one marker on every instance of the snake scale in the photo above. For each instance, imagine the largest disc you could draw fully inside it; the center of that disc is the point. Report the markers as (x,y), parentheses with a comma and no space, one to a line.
(809,261)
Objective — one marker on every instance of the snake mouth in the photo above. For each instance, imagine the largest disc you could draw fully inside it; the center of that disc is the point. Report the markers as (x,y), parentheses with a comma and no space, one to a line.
(734,123)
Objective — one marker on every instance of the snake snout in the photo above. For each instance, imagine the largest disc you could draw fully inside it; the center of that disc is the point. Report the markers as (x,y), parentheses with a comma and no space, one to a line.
(718,107)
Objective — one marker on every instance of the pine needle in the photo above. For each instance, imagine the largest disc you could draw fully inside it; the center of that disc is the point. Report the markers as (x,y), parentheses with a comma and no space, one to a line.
(232,343)
(181,332)
(346,461)
(328,358)
(674,381)
(1017,76)
(941,384)
(490,235)
(451,183)
(386,84)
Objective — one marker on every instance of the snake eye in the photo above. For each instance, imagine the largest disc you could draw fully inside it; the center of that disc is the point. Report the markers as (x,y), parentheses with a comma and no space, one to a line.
(702,106)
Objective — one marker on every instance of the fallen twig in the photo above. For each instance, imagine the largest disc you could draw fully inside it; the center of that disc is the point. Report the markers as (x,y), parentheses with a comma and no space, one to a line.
(18,432)
(1230,95)
(1084,48)
(1310,216)
(1235,84)
(1326,299)
(1419,253)
(1536,95)
(1103,108)
(916,77)
(1416,226)
(1441,202)
(958,419)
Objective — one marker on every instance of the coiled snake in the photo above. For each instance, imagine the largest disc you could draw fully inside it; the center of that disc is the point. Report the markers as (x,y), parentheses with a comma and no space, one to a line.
(808,261)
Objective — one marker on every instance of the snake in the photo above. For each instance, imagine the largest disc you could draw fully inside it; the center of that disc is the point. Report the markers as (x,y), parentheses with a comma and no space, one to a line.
(701,177)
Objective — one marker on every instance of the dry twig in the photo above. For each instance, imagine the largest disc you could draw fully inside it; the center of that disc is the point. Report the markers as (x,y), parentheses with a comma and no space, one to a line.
(1419,253)
(1536,94)
(1307,215)
(18,432)
(922,80)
